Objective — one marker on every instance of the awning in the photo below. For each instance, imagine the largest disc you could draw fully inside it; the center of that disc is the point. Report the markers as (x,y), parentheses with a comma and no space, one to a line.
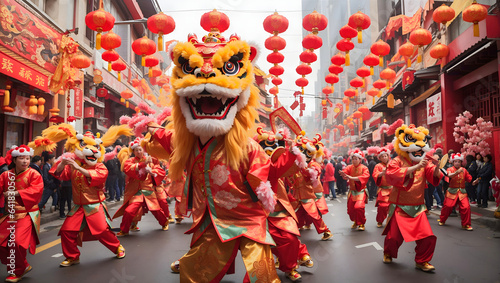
(429,73)
(381,105)
(426,94)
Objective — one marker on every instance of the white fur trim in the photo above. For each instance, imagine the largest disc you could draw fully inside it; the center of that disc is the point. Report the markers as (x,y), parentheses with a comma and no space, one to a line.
(314,176)
(266,195)
(98,141)
(301,158)
(456,156)
(22,151)
(310,147)
(79,137)
(414,148)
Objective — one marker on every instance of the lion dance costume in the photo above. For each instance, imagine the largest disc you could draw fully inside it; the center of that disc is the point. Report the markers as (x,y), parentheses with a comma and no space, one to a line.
(82,164)
(214,102)
(408,173)
(20,226)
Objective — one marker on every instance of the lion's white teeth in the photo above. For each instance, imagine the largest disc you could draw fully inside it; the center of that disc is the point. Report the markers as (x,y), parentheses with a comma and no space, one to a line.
(194,100)
(224,100)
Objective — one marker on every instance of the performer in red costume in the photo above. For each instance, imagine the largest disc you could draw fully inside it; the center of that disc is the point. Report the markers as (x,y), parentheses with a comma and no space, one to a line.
(384,188)
(143,173)
(22,189)
(407,173)
(357,174)
(456,193)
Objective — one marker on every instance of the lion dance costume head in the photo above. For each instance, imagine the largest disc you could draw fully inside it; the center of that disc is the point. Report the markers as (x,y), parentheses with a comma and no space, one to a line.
(412,142)
(213,94)
(89,149)
(312,149)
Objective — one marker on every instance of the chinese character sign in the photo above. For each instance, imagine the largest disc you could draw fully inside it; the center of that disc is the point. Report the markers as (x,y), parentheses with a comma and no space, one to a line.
(434,110)
(13,68)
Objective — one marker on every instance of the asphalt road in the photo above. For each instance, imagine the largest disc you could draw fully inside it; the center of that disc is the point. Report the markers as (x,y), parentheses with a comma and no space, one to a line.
(351,256)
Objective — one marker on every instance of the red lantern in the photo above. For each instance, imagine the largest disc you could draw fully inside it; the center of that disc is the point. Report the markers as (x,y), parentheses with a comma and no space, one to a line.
(379,84)
(155,72)
(331,79)
(439,51)
(356,82)
(275,43)
(150,62)
(346,101)
(443,14)
(110,56)
(406,50)
(380,49)
(360,22)
(371,60)
(350,92)
(144,47)
(273,90)
(357,115)
(348,32)
(335,69)
(277,81)
(363,109)
(214,21)
(363,72)
(338,59)
(276,70)
(118,66)
(111,41)
(420,37)
(308,56)
(99,21)
(388,75)
(302,82)
(345,46)
(275,23)
(125,95)
(314,22)
(161,24)
(102,92)
(80,61)
(327,90)
(303,69)
(312,41)
(275,58)
(474,14)
(372,92)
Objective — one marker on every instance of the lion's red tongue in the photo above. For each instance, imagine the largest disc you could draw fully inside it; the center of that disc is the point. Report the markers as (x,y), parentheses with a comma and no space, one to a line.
(209,105)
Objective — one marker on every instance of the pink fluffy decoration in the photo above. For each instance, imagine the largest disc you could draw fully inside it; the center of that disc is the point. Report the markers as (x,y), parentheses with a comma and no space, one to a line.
(384,128)
(285,132)
(372,150)
(67,155)
(390,146)
(266,195)
(300,161)
(167,111)
(110,155)
(145,108)
(124,119)
(393,127)
(314,176)
(140,124)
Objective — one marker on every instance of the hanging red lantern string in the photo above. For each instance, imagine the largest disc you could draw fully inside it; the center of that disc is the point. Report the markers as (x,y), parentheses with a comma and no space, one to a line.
(144,46)
(371,60)
(151,61)
(348,32)
(474,14)
(314,22)
(303,70)
(439,51)
(338,59)
(99,21)
(161,24)
(388,75)
(443,14)
(80,61)
(345,45)
(363,72)
(360,22)
(380,49)
(420,37)
(110,56)
(356,83)
(118,66)
(275,24)
(379,84)
(407,50)
(336,69)
(372,92)
(308,57)
(346,101)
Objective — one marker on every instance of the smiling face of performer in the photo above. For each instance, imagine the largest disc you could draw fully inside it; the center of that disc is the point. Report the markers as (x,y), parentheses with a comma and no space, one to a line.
(139,152)
(356,160)
(22,163)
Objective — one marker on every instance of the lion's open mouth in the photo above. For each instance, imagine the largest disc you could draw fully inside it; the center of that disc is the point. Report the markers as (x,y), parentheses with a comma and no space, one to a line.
(209,106)
(91,158)
(419,153)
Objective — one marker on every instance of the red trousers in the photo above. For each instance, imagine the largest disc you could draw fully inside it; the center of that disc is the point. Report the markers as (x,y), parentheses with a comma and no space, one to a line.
(302,250)
(382,210)
(356,211)
(131,212)
(287,248)
(15,262)
(164,207)
(463,208)
(69,242)
(393,240)
(306,219)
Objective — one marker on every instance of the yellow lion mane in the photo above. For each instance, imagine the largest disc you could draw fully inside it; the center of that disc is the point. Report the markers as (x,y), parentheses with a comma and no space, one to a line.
(419,134)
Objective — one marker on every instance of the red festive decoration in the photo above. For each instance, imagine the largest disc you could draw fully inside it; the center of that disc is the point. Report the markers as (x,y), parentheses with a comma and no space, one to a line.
(302,82)
(276,70)
(144,46)
(443,14)
(360,22)
(345,45)
(439,52)
(407,50)
(102,92)
(327,90)
(150,62)
(388,75)
(357,114)
(80,61)
(275,23)
(346,101)
(161,24)
(314,22)
(380,49)
(273,90)
(338,59)
(363,72)
(303,69)
(214,21)
(372,92)
(371,60)
(331,79)
(110,56)
(335,69)
(379,84)
(125,95)
(275,58)
(420,37)
(348,32)
(312,41)
(118,66)
(275,43)
(277,81)
(308,57)
(356,82)
(111,40)
(350,92)
(474,14)
(99,21)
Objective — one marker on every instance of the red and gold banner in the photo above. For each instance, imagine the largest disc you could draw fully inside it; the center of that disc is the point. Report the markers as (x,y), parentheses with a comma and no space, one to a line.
(78,103)
(410,24)
(29,37)
(17,70)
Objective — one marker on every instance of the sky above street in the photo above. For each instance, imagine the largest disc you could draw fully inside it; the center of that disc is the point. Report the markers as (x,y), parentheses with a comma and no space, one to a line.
(247,19)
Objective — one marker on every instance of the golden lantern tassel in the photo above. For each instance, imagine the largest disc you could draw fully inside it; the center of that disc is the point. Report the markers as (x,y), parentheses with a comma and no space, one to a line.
(380,61)
(373,100)
(347,59)
(126,104)
(387,85)
(371,70)
(160,41)
(379,93)
(302,91)
(360,36)
(476,29)
(6,98)
(390,101)
(109,66)
(150,72)
(419,58)
(98,41)
(143,61)
(408,62)
(119,76)
(122,100)
(360,124)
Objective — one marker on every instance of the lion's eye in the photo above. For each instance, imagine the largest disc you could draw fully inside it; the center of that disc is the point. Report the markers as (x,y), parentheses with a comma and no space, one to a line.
(187,69)
(82,144)
(409,139)
(230,68)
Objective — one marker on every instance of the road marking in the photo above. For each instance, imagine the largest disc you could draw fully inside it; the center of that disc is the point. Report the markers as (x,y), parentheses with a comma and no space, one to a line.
(374,210)
(338,200)
(58,255)
(47,246)
(330,204)
(332,214)
(374,244)
(344,197)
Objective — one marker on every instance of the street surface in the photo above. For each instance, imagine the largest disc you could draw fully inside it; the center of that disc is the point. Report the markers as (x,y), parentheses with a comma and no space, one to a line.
(352,256)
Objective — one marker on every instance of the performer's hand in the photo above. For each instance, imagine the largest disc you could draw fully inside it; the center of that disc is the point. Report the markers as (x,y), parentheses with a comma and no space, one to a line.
(152,126)
(10,193)
(475,182)
(149,170)
(422,163)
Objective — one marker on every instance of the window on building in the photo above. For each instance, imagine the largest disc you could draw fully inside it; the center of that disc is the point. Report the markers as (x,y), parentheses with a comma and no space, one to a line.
(483,99)
(92,5)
